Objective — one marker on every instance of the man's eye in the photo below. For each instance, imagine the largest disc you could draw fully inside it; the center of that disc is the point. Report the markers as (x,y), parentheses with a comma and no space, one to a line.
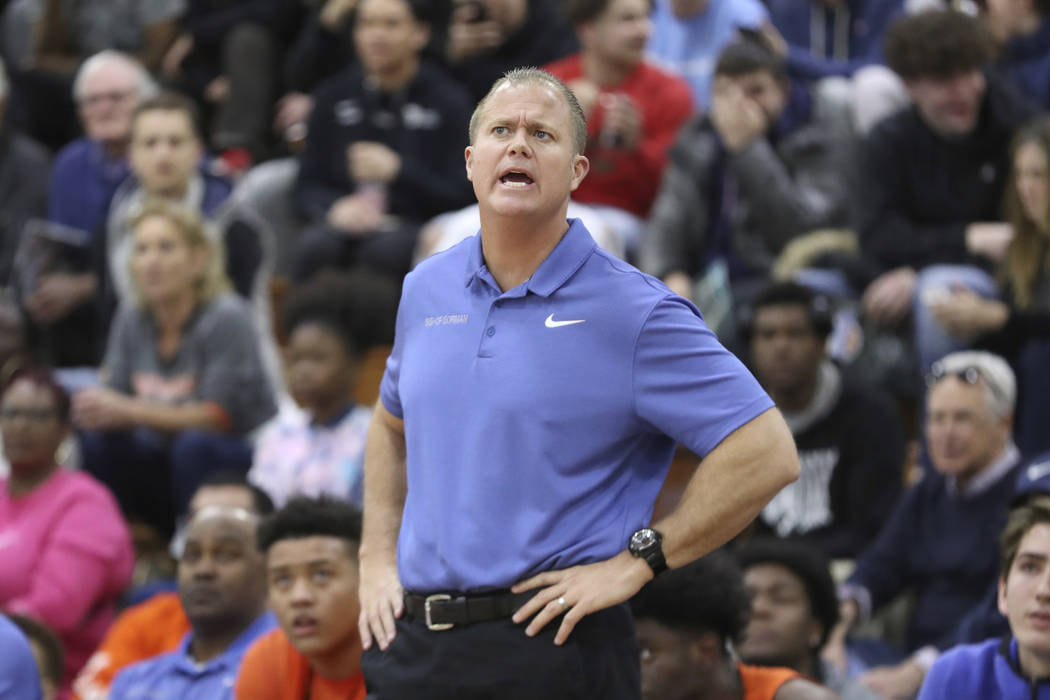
(540,133)
(499,130)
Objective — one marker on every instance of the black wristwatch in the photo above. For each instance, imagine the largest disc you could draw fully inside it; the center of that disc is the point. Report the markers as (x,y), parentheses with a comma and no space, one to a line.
(645,544)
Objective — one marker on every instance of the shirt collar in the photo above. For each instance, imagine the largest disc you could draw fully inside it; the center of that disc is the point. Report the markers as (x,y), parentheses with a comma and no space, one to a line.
(227,659)
(991,474)
(567,257)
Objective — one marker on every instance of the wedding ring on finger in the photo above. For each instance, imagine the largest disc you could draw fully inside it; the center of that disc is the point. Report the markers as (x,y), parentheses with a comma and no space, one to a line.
(561,601)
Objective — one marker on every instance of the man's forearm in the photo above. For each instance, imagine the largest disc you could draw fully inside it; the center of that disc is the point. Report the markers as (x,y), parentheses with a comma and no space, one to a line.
(386,485)
(729,488)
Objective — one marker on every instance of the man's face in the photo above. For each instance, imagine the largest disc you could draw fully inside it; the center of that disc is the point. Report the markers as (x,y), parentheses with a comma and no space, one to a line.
(313,591)
(619,34)
(108,98)
(949,106)
(221,574)
(786,350)
(670,669)
(782,630)
(522,163)
(164,150)
(762,87)
(387,36)
(319,368)
(1024,595)
(963,435)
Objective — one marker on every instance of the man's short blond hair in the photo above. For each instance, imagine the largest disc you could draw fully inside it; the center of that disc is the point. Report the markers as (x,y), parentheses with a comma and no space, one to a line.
(536,77)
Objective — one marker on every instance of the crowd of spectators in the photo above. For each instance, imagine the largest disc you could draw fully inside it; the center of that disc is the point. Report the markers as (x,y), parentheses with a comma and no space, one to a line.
(207,208)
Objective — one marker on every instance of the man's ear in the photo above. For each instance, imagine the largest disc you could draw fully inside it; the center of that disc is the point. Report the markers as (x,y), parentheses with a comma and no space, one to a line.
(580,167)
(1002,595)
(468,158)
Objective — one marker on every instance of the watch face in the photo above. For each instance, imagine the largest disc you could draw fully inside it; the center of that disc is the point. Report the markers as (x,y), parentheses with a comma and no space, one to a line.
(643,539)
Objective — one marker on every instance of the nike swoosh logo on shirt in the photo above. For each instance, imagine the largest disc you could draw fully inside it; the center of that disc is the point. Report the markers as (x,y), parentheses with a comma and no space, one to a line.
(551,323)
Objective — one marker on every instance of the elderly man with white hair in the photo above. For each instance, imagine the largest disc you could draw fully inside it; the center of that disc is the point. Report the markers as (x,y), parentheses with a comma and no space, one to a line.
(941,541)
(107,89)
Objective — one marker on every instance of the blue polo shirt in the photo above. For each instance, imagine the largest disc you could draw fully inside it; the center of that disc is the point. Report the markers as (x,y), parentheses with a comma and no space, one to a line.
(540,422)
(176,676)
(18,675)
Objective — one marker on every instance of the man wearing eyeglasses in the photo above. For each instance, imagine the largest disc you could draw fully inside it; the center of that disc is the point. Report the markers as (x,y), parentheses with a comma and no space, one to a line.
(941,539)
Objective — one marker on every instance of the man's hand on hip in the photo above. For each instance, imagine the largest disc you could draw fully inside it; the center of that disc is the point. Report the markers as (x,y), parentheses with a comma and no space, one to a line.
(382,600)
(580,591)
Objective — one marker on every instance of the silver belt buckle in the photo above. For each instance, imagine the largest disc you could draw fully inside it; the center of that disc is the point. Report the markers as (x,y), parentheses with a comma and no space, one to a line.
(434,626)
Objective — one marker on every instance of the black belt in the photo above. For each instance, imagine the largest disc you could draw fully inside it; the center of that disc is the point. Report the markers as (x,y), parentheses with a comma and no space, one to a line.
(442,611)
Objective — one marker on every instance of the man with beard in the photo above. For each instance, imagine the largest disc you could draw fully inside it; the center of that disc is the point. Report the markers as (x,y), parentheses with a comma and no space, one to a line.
(222,585)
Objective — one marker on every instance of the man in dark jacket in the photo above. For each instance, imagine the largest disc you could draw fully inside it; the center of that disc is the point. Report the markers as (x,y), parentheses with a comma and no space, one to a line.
(932,175)
(384,150)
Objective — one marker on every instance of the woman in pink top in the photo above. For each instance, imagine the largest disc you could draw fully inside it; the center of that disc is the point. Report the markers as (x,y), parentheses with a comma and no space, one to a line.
(65,550)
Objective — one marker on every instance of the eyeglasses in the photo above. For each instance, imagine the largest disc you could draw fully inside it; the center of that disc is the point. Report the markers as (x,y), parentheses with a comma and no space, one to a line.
(969,374)
(100,97)
(33,415)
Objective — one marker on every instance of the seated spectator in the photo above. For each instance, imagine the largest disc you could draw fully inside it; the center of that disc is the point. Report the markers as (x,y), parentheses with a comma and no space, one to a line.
(158,625)
(767,164)
(183,377)
(18,675)
(1017,327)
(849,438)
(311,558)
(222,586)
(166,151)
(331,323)
(487,38)
(933,175)
(224,56)
(793,610)
(1015,666)
(65,318)
(1021,28)
(939,542)
(49,40)
(689,35)
(66,549)
(385,148)
(47,654)
(633,110)
(688,619)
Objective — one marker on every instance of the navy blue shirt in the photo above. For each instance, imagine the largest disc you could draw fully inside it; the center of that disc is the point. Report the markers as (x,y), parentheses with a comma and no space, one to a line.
(82,184)
(175,676)
(540,421)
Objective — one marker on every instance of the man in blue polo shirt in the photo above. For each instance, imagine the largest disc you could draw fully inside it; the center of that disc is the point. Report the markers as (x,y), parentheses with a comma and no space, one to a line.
(222,586)
(526,421)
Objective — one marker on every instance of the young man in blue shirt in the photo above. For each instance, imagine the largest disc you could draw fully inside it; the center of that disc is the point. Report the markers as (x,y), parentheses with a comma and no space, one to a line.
(1018,665)
(526,421)
(222,586)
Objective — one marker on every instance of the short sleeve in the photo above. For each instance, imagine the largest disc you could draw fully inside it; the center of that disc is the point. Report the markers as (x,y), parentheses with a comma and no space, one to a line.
(686,384)
(116,365)
(750,13)
(389,393)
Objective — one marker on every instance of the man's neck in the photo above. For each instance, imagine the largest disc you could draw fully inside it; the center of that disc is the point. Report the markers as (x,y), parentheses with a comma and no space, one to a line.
(115,151)
(514,249)
(602,72)
(795,399)
(340,664)
(176,193)
(396,78)
(1033,664)
(208,644)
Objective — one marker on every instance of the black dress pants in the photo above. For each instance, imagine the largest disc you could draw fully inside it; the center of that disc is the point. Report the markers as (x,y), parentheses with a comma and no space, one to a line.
(496,661)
